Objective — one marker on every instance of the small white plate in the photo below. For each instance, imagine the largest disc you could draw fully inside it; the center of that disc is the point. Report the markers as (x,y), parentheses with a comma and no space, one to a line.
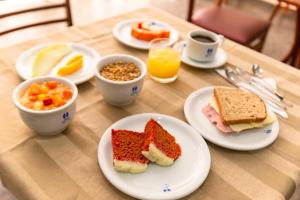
(25,62)
(220,60)
(122,31)
(176,181)
(245,141)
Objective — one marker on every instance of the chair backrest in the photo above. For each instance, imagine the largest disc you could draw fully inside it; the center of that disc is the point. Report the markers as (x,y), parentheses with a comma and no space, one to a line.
(219,3)
(192,4)
(67,18)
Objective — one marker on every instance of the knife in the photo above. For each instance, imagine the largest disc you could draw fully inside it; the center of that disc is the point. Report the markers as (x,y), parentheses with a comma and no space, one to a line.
(275,108)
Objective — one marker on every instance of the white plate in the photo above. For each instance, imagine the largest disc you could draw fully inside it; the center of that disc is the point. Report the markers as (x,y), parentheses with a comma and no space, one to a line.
(246,140)
(176,181)
(25,62)
(220,60)
(122,31)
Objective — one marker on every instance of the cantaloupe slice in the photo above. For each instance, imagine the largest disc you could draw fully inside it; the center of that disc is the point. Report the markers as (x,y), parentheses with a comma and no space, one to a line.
(47,58)
(72,66)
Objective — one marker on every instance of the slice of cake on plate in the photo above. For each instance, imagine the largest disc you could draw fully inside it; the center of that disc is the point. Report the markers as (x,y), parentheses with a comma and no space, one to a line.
(160,146)
(127,148)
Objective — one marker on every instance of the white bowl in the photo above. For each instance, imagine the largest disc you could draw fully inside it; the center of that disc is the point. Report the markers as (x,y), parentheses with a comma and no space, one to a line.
(115,92)
(47,122)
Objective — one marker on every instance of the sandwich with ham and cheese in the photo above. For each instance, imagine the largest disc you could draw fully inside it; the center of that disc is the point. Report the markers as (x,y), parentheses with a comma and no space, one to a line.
(233,110)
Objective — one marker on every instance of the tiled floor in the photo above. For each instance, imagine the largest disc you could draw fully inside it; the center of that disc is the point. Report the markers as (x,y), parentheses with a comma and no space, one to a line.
(85,11)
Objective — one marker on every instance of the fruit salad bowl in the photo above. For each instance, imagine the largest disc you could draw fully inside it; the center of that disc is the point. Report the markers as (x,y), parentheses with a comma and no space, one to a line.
(46,104)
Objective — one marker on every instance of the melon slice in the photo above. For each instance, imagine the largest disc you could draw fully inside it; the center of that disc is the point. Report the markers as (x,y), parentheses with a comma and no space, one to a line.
(73,65)
(47,58)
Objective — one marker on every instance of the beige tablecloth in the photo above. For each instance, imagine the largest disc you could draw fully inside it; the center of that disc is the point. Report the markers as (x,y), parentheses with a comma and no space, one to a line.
(65,166)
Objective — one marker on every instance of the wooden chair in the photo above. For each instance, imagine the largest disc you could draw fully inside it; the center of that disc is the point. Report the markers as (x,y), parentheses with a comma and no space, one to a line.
(67,18)
(293,56)
(236,25)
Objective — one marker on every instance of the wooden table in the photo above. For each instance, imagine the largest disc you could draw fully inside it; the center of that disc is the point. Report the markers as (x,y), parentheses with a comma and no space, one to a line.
(65,166)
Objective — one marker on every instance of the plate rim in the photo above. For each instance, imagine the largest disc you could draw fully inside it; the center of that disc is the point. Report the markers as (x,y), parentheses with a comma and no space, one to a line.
(121,23)
(79,80)
(194,187)
(238,148)
(201,67)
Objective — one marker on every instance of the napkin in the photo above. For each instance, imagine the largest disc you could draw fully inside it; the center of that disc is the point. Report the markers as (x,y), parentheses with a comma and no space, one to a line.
(272,82)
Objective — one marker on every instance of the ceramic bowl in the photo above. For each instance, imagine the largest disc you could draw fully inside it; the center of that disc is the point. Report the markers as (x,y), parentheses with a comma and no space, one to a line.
(46,122)
(116,92)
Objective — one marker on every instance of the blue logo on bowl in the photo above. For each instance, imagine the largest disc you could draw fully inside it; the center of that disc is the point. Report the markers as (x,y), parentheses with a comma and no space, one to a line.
(134,90)
(166,188)
(66,117)
(209,53)
(268,131)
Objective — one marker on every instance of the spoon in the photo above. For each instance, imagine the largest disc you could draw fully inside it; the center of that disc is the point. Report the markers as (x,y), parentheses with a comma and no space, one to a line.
(258,72)
(232,77)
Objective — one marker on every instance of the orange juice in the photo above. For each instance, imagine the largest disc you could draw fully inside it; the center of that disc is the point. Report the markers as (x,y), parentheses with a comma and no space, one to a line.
(163,63)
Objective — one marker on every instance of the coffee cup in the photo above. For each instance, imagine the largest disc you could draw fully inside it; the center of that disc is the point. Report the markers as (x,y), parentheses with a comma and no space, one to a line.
(203,45)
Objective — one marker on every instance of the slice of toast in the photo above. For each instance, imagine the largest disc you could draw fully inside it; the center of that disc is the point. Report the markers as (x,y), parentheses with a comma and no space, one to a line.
(237,106)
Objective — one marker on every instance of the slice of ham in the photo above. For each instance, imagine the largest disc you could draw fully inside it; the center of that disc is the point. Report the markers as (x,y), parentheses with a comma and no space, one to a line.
(215,119)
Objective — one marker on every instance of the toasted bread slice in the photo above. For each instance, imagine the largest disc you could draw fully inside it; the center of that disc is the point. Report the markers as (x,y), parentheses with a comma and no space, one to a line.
(237,106)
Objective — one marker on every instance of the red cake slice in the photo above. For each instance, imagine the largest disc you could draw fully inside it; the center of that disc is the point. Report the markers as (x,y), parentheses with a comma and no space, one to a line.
(127,147)
(160,146)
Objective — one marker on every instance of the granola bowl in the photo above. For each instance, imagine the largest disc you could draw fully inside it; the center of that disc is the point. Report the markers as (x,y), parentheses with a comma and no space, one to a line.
(120,78)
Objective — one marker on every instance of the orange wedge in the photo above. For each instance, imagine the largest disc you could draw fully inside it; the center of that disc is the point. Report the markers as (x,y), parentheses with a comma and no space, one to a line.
(73,65)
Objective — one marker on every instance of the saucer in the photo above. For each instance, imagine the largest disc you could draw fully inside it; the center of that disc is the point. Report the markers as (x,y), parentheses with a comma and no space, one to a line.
(220,59)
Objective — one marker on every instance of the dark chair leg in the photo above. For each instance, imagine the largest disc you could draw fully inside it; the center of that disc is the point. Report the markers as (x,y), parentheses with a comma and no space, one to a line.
(259,46)
(69,13)
(190,10)
(262,42)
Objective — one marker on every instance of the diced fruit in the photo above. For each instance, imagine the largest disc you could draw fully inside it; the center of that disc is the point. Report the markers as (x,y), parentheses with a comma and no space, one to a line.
(51,84)
(47,58)
(72,66)
(44,89)
(35,89)
(46,96)
(47,101)
(41,97)
(67,94)
(58,101)
(32,97)
(38,105)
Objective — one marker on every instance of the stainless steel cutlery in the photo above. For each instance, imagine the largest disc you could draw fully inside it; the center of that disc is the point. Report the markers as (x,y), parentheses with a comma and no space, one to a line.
(245,80)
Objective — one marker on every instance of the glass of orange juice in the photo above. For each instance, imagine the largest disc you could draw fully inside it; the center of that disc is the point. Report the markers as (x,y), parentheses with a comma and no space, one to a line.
(163,60)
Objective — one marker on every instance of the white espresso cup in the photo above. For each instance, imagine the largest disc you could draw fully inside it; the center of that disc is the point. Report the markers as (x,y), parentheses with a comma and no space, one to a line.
(203,45)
